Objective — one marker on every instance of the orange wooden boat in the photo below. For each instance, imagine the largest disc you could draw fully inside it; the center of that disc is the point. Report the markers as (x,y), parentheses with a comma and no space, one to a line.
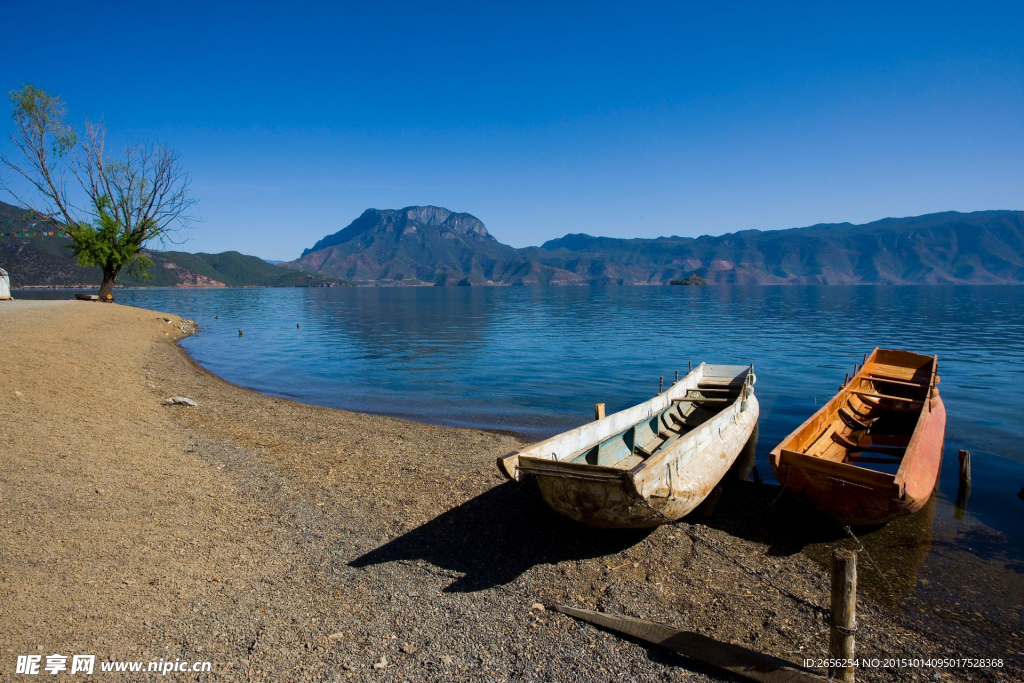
(873,452)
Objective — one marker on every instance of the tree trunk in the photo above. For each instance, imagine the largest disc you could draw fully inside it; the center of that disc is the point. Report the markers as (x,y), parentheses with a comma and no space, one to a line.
(109,277)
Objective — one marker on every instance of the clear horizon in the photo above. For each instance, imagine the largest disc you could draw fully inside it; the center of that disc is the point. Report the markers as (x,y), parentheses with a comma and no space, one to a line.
(543,120)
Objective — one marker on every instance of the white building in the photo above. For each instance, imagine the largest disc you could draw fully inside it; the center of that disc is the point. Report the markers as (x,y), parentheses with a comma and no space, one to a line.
(5,285)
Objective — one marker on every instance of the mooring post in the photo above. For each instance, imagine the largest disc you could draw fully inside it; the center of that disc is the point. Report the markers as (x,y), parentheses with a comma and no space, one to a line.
(598,411)
(963,491)
(689,366)
(239,333)
(965,468)
(661,383)
(676,380)
(844,614)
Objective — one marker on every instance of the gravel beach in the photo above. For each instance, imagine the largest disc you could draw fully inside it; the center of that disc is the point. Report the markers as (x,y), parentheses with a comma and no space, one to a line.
(286,542)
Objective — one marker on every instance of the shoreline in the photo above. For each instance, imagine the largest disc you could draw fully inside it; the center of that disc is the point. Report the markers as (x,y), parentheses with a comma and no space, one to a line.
(278,539)
(369,413)
(385,284)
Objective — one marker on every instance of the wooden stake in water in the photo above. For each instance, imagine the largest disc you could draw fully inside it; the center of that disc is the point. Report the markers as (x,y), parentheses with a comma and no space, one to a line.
(598,411)
(239,333)
(963,491)
(844,614)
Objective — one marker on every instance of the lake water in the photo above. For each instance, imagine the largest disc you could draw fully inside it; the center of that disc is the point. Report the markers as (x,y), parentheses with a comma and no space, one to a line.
(534,360)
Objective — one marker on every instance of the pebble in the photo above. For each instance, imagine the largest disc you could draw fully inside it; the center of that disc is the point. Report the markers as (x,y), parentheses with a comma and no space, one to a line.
(179,401)
(382,663)
(408,648)
(537,606)
(335,637)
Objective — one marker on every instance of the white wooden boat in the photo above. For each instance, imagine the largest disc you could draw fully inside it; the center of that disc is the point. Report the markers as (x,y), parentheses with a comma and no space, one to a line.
(649,464)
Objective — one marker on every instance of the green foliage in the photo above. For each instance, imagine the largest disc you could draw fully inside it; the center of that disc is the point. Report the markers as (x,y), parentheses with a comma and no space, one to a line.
(43,114)
(108,244)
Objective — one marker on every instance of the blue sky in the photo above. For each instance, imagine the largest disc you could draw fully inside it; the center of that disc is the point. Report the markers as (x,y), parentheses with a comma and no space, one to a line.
(621,119)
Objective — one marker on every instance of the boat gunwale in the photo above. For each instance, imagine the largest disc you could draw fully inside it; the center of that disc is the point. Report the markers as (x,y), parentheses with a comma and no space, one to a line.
(910,452)
(659,457)
(613,424)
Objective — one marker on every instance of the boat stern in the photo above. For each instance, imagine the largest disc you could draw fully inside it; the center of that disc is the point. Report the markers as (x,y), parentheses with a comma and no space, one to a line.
(508,465)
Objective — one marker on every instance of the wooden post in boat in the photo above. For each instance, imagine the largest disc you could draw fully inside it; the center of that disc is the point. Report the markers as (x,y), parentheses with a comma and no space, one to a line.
(963,491)
(676,380)
(598,411)
(844,613)
(661,383)
(689,366)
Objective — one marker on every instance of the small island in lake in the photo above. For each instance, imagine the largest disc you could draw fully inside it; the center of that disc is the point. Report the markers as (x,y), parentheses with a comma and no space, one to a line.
(690,280)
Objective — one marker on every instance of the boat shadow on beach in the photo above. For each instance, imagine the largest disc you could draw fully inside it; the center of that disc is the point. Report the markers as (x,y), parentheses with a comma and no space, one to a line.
(760,512)
(744,506)
(495,537)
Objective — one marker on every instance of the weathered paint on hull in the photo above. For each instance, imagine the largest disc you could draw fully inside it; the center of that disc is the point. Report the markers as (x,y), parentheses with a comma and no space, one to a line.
(650,496)
(604,505)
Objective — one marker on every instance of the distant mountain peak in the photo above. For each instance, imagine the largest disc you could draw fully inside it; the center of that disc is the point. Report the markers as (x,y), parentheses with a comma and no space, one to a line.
(439,217)
(408,222)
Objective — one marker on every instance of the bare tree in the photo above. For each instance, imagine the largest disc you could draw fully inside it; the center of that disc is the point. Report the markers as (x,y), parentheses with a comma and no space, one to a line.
(115,206)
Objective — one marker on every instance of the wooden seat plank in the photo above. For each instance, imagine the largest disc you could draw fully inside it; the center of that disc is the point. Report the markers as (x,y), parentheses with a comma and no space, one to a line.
(885,397)
(875,378)
(839,470)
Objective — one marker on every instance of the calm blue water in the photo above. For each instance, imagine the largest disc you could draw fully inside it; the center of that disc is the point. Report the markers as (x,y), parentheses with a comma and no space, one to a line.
(535,360)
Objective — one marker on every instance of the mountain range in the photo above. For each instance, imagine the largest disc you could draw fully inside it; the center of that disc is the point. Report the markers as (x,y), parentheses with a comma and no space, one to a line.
(427,244)
(35,259)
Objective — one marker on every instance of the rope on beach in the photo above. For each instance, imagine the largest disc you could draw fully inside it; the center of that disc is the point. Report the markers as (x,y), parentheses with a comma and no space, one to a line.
(862,549)
(696,538)
(753,572)
(771,504)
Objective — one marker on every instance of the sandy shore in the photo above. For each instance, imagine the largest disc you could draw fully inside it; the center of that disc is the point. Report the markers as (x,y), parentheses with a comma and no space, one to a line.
(281,541)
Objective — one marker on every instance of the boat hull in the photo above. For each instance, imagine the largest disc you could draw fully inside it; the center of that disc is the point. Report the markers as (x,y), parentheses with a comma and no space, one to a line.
(654,495)
(841,489)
